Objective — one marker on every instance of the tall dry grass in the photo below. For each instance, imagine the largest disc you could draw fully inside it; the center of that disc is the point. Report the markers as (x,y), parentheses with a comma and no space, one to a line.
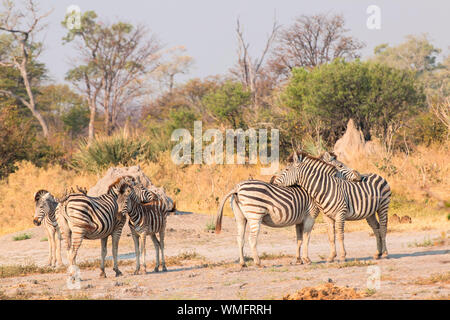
(420,183)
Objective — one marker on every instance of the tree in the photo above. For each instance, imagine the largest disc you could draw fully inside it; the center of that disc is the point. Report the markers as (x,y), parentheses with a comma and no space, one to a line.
(379,98)
(250,71)
(227,102)
(114,60)
(58,104)
(416,54)
(178,63)
(312,41)
(22,50)
(18,141)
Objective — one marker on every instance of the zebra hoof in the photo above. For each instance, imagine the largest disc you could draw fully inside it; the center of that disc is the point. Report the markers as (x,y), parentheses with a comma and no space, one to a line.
(306,260)
(102,274)
(118,273)
(136,272)
(377,256)
(242,267)
(342,260)
(330,260)
(385,255)
(296,261)
(156,269)
(164,269)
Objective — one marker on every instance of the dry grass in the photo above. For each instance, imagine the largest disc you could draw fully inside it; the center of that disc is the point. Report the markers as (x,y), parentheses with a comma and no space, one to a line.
(420,184)
(435,278)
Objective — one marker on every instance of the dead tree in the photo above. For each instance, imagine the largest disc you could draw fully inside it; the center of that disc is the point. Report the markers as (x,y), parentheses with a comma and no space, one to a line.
(250,70)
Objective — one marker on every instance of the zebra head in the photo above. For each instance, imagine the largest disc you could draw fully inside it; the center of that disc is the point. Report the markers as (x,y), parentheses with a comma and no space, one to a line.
(344,171)
(290,175)
(44,204)
(144,194)
(126,195)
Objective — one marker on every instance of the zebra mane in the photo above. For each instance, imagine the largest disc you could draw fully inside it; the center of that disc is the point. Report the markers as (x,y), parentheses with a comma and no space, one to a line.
(117,182)
(309,156)
(38,195)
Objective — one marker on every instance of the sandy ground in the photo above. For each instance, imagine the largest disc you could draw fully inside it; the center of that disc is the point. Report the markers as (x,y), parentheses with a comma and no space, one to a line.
(213,274)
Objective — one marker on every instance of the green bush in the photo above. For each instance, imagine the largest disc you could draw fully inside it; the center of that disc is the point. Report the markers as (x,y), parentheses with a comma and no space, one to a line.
(104,151)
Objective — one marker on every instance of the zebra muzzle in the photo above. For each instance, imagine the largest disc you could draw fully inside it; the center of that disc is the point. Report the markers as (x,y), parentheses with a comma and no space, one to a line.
(36,222)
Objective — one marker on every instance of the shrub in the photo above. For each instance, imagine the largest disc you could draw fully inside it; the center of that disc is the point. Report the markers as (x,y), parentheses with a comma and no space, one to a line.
(104,151)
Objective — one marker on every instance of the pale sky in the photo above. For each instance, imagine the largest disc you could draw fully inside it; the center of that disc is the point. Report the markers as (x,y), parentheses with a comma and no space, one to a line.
(207,27)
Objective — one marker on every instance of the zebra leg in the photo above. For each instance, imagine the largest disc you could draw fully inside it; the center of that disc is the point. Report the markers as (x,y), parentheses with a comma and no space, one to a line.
(254,225)
(115,250)
(241,223)
(50,246)
(340,222)
(53,245)
(308,224)
(373,223)
(104,242)
(331,237)
(142,238)
(157,246)
(383,217)
(299,233)
(58,246)
(136,250)
(76,239)
(161,244)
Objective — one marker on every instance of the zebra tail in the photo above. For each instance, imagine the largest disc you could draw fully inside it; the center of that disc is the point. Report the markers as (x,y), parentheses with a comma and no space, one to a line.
(220,211)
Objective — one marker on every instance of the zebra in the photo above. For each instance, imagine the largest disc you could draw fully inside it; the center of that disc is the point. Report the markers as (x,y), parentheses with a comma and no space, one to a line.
(45,206)
(341,200)
(257,202)
(145,219)
(83,217)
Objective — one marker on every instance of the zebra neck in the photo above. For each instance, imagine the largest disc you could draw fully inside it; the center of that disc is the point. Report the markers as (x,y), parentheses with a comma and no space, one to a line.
(134,212)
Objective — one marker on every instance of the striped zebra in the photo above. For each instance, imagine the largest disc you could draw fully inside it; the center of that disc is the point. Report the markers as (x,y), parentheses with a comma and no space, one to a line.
(83,217)
(255,202)
(145,219)
(45,206)
(341,200)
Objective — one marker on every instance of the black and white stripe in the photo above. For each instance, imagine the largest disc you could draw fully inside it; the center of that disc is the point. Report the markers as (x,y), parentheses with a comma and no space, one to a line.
(342,200)
(145,219)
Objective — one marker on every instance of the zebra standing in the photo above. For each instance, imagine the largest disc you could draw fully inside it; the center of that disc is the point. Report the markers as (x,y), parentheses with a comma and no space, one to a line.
(342,200)
(82,217)
(145,219)
(45,206)
(255,202)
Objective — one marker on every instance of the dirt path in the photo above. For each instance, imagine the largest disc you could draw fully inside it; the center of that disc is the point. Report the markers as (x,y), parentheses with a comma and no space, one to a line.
(202,266)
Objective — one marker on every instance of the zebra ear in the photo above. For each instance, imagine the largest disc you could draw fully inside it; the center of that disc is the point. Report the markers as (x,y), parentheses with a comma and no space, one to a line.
(297,158)
(39,194)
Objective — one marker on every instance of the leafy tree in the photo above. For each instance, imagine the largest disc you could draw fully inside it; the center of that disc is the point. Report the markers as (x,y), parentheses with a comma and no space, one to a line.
(227,103)
(18,141)
(64,110)
(376,96)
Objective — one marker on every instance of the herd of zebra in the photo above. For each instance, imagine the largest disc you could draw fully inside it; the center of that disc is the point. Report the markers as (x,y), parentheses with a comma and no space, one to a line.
(306,187)
(77,216)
